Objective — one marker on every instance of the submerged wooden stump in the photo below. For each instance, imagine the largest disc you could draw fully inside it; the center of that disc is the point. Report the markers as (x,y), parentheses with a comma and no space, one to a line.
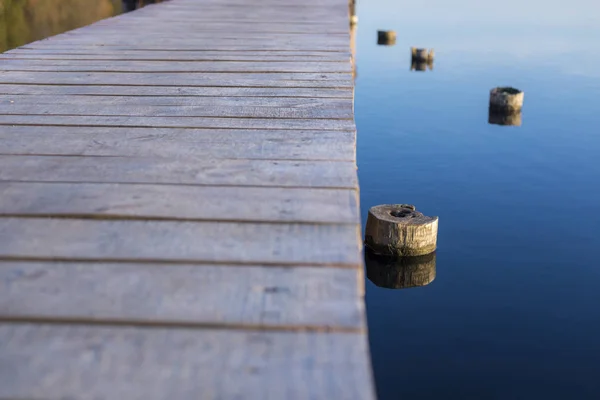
(400,273)
(386,37)
(507,100)
(399,230)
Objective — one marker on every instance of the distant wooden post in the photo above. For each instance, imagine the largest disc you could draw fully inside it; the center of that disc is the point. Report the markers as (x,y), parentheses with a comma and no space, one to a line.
(422,55)
(400,273)
(387,38)
(352,12)
(400,230)
(506,100)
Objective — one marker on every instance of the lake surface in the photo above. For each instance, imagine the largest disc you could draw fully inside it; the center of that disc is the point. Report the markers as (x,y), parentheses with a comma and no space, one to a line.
(513,310)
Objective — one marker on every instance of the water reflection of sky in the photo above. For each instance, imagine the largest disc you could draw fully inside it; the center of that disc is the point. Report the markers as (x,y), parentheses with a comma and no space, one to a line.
(511,31)
(512,312)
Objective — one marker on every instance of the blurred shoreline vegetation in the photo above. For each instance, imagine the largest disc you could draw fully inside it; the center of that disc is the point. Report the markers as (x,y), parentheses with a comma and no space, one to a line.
(25,21)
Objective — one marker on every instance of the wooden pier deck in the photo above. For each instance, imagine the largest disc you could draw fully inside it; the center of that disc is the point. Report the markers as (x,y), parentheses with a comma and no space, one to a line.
(179,207)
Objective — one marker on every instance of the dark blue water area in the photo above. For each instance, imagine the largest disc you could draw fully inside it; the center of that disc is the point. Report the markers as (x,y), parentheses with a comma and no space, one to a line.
(514,310)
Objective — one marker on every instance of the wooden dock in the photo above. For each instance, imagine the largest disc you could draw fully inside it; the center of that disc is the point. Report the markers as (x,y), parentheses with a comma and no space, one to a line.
(179,207)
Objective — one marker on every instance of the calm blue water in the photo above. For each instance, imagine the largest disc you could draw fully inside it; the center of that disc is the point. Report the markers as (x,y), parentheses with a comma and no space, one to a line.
(513,312)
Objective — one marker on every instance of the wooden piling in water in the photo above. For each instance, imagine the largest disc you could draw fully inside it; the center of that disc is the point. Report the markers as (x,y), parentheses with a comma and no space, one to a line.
(506,100)
(400,230)
(387,38)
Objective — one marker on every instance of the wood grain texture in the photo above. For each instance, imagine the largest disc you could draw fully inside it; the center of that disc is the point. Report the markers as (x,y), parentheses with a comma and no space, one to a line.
(176,66)
(32,119)
(179,214)
(166,55)
(183,101)
(178,143)
(126,201)
(188,171)
(198,79)
(98,362)
(168,241)
(342,112)
(128,91)
(206,295)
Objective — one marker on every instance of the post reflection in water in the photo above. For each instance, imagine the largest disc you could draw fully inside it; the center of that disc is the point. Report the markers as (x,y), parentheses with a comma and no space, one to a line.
(400,273)
(421,66)
(496,118)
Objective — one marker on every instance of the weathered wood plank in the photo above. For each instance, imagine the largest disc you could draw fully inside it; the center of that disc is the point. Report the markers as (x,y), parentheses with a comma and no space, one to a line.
(337,27)
(231,33)
(172,66)
(178,79)
(198,101)
(176,143)
(180,91)
(98,362)
(200,46)
(126,201)
(184,242)
(181,56)
(340,44)
(184,294)
(181,122)
(102,53)
(189,171)
(179,111)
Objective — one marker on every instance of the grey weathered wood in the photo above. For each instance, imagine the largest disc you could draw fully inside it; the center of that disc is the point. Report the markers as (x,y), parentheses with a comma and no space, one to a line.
(128,91)
(197,101)
(181,122)
(208,45)
(179,202)
(179,214)
(176,143)
(168,241)
(165,55)
(398,230)
(240,111)
(294,297)
(98,362)
(175,66)
(308,80)
(189,171)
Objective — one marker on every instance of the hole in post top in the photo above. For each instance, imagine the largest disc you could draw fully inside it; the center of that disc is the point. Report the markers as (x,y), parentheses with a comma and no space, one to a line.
(401,213)
(508,90)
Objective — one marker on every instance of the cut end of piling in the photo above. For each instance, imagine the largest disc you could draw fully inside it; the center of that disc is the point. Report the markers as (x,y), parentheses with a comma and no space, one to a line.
(399,230)
(506,100)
